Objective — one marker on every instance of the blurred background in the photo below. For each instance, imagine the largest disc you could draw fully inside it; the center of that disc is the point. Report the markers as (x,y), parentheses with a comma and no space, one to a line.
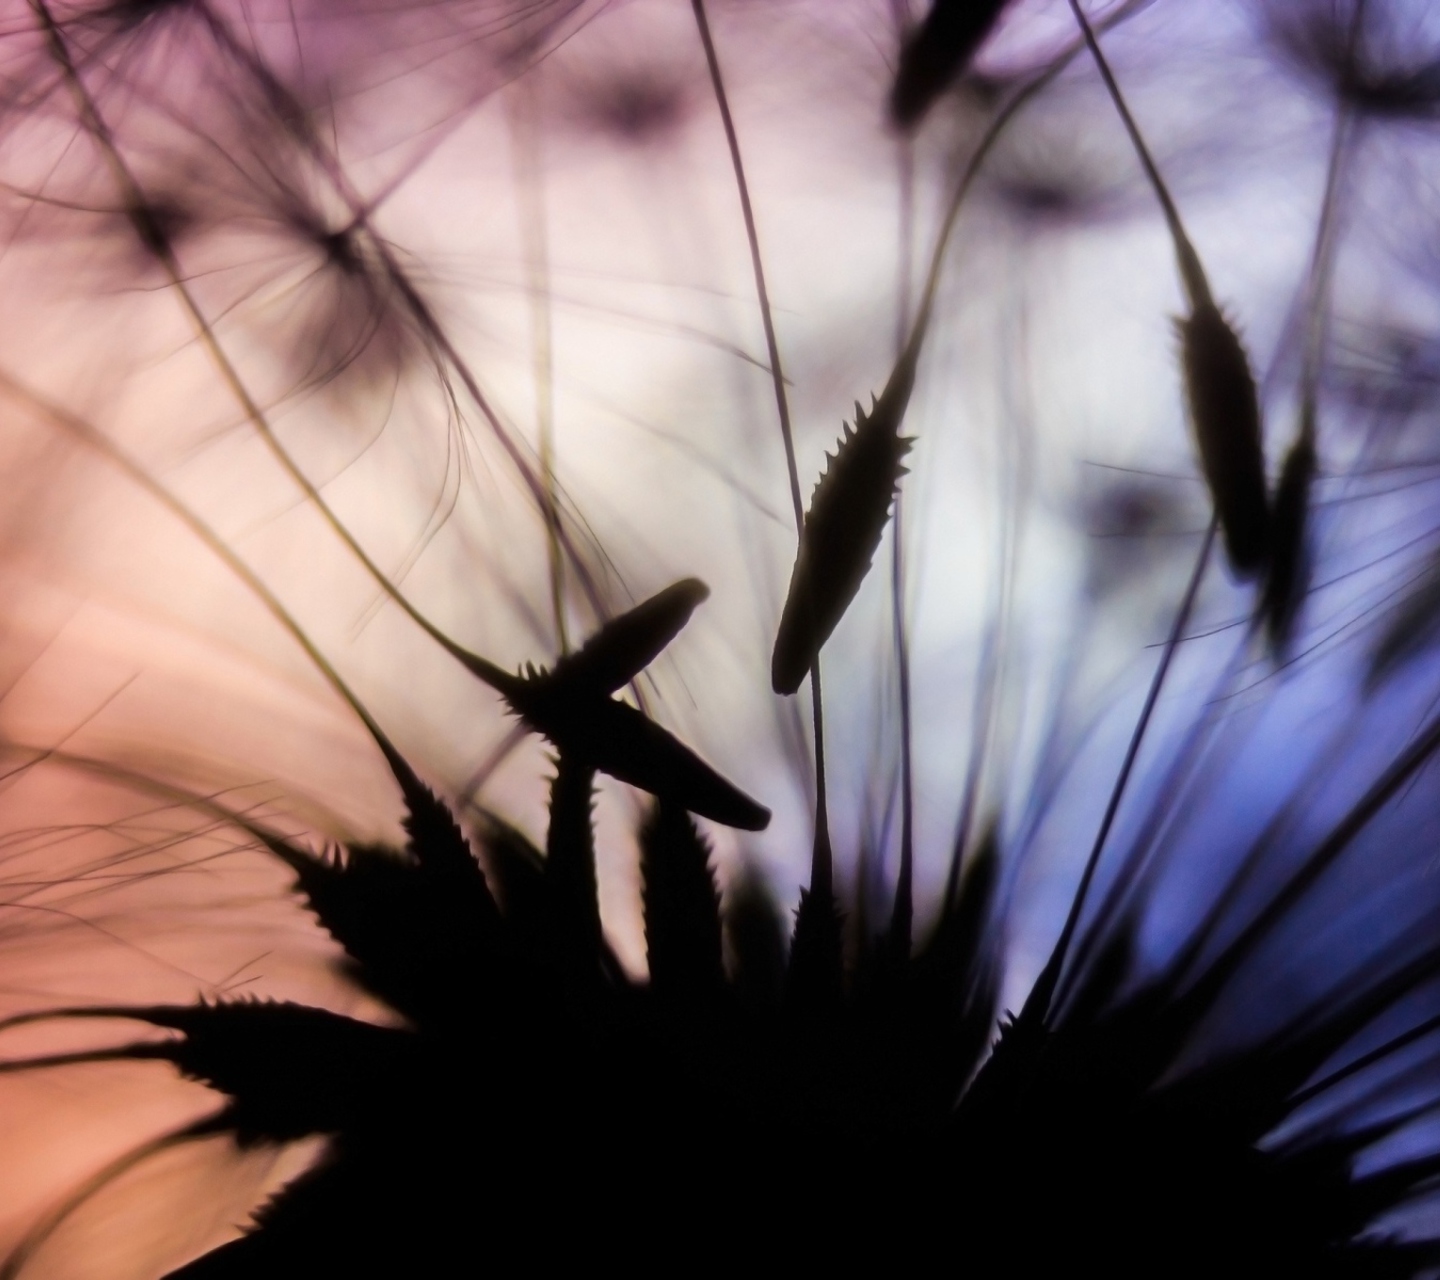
(480,270)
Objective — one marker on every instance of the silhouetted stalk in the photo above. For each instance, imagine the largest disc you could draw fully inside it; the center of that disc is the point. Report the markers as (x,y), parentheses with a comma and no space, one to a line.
(530,182)
(1039,999)
(1287,581)
(1197,289)
(1322,264)
(156,243)
(1322,256)
(292,115)
(94,439)
(980,734)
(772,346)
(992,135)
(821,861)
(903,914)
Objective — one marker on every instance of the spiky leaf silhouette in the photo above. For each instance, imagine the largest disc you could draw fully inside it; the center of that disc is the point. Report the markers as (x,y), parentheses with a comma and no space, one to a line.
(682,907)
(1219,386)
(570,869)
(288,1070)
(854,1102)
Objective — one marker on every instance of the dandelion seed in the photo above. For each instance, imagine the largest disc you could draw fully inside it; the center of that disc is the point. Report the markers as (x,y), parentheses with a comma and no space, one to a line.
(1219,387)
(1225,412)
(1288,567)
(936,52)
(848,513)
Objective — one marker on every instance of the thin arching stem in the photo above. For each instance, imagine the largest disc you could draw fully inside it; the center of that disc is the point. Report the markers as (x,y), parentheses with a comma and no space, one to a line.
(821,868)
(292,116)
(530,182)
(92,438)
(1197,288)
(1322,267)
(903,915)
(772,346)
(154,242)
(1039,999)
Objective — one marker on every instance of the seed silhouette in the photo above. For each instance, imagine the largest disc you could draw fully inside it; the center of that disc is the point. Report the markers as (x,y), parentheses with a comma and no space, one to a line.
(936,52)
(848,513)
(1225,414)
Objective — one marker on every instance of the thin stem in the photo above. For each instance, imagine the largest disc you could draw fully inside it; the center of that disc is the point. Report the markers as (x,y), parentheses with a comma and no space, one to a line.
(902,918)
(1197,287)
(88,435)
(154,241)
(1322,266)
(1045,986)
(772,346)
(903,915)
(982,151)
(821,862)
(530,180)
(292,115)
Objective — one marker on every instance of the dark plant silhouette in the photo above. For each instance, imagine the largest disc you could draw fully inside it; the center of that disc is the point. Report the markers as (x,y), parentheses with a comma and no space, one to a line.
(1210,1050)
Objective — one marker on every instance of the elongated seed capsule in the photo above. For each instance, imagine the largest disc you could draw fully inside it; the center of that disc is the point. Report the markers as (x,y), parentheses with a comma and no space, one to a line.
(1225,414)
(842,530)
(571,707)
(1289,568)
(936,53)
(626,645)
(1224,408)
(615,738)
(1412,628)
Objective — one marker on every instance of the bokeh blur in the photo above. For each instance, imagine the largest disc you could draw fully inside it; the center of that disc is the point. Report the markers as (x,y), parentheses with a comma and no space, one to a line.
(478,271)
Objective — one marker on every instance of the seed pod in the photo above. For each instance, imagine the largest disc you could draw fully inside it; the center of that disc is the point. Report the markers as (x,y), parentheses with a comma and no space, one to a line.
(1225,414)
(626,645)
(1414,626)
(842,528)
(1289,568)
(571,707)
(935,54)
(615,738)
